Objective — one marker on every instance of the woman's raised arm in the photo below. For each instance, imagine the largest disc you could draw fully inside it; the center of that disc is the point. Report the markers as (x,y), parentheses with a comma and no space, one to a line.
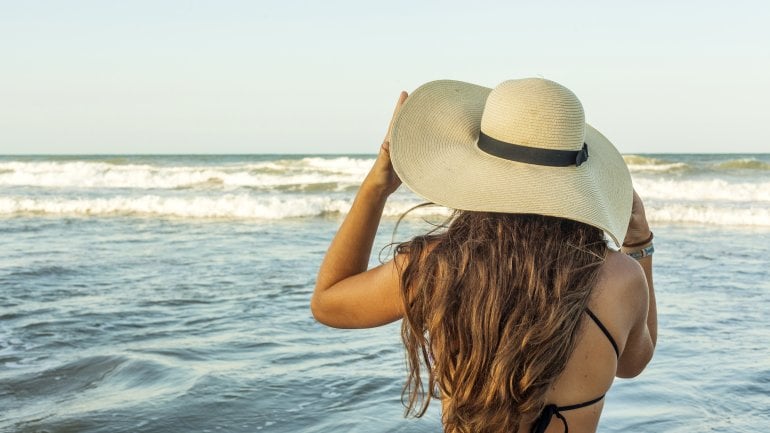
(346,294)
(643,338)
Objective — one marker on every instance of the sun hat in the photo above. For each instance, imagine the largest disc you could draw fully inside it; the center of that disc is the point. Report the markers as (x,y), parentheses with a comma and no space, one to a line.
(522,147)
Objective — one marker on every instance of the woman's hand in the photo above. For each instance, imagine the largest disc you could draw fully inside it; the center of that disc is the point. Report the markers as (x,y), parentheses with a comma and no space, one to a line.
(638,228)
(382,177)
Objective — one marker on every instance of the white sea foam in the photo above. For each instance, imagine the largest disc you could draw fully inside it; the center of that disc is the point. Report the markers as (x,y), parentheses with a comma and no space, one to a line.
(702,190)
(243,206)
(313,186)
(706,201)
(225,206)
(709,214)
(336,173)
(658,168)
(235,206)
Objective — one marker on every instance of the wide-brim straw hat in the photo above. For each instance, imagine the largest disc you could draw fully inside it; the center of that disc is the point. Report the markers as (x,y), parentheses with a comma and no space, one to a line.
(523,147)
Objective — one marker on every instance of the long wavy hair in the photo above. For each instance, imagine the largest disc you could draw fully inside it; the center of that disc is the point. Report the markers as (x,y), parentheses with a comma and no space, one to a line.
(493,306)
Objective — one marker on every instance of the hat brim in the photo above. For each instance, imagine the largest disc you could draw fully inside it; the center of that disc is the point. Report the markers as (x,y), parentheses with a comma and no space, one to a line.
(433,150)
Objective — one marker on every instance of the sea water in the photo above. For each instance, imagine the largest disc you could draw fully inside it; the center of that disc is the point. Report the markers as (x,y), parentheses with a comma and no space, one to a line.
(171,294)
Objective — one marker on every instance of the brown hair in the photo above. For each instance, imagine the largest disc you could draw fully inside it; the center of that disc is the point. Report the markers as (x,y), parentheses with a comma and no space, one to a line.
(493,304)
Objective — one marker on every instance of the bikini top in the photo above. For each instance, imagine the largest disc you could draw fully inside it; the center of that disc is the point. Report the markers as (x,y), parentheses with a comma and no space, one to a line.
(551,410)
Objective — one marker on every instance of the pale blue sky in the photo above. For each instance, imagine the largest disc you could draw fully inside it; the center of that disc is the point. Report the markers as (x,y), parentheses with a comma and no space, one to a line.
(322,76)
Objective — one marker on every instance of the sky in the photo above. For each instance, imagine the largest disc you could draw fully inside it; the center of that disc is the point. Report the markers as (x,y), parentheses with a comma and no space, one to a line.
(287,76)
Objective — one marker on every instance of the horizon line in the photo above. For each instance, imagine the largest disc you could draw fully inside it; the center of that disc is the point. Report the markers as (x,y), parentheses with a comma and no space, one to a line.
(327,154)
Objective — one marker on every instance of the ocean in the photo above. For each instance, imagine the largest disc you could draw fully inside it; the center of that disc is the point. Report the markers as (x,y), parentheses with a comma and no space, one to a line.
(171,294)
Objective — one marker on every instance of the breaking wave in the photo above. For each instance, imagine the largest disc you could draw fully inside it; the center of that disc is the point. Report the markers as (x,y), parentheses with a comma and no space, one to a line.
(299,174)
(243,206)
(637,163)
(702,189)
(742,164)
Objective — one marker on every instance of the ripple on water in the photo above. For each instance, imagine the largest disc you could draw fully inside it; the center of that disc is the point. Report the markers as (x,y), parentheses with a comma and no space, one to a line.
(42,271)
(91,384)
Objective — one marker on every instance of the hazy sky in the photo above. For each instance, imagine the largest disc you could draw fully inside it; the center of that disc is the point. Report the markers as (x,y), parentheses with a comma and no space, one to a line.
(110,76)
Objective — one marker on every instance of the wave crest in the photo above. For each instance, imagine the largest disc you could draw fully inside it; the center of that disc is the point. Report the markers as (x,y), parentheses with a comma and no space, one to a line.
(242,206)
(743,164)
(709,215)
(638,163)
(336,173)
(703,190)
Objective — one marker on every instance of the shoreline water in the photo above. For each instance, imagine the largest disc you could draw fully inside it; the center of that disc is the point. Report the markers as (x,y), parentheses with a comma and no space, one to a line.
(144,325)
(142,322)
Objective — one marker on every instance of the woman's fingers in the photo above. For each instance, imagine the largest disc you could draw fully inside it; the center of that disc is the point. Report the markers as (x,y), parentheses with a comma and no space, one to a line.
(401,98)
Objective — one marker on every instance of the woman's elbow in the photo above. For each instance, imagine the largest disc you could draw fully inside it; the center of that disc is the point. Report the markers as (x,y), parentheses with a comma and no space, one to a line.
(317,308)
(324,313)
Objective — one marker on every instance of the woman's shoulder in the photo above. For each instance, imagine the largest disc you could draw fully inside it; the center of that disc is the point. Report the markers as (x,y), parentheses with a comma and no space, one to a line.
(621,284)
(622,272)
(620,295)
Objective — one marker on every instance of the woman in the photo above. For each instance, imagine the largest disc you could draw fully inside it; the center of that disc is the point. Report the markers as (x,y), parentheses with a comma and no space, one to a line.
(517,315)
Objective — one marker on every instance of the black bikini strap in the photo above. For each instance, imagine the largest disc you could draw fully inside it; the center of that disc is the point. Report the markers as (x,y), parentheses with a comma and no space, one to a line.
(541,423)
(579,405)
(551,410)
(606,332)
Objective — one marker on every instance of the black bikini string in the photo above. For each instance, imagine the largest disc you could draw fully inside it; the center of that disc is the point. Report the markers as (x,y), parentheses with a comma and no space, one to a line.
(551,410)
